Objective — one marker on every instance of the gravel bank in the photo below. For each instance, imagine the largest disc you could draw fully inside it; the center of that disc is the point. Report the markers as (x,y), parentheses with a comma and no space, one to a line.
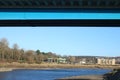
(5,69)
(87,77)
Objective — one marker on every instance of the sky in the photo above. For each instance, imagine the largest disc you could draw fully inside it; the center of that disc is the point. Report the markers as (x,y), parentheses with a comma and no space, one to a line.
(76,41)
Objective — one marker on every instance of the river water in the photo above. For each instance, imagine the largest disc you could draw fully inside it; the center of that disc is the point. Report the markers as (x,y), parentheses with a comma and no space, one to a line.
(48,74)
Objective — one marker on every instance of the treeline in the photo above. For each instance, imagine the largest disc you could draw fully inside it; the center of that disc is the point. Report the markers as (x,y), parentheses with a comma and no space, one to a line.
(15,54)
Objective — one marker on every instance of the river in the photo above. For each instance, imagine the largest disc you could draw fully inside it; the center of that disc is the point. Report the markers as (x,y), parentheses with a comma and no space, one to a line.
(48,74)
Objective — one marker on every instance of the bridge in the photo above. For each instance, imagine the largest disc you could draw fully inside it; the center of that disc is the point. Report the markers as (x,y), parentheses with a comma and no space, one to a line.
(100,6)
(59,5)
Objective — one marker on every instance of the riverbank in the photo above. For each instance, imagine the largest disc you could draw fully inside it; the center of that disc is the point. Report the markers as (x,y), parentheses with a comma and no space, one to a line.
(87,77)
(54,65)
(11,66)
(5,69)
(113,75)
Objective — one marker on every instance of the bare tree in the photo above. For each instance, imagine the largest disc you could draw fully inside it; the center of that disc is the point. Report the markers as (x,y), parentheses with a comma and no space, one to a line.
(39,56)
(72,59)
(3,47)
(30,56)
(22,56)
(16,52)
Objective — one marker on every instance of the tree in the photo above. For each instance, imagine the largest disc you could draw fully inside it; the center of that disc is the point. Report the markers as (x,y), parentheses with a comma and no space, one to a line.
(7,55)
(16,52)
(22,57)
(38,52)
(19,55)
(29,56)
(15,46)
(4,42)
(39,57)
(72,59)
(3,47)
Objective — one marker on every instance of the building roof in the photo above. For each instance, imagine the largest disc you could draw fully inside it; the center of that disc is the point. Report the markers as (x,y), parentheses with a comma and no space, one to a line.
(61,59)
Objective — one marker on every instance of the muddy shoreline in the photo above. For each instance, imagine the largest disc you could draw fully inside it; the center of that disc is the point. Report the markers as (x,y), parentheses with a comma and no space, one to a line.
(87,77)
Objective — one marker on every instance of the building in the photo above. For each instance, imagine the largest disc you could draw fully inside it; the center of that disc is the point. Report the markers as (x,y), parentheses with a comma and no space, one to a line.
(61,60)
(117,60)
(82,61)
(86,60)
(56,60)
(105,61)
(50,60)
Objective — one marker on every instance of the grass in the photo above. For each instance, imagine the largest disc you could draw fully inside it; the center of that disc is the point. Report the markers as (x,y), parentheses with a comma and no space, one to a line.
(53,65)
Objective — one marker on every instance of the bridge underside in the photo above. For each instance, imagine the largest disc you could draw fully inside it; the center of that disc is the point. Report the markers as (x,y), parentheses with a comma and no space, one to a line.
(92,23)
(48,5)
(60,5)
